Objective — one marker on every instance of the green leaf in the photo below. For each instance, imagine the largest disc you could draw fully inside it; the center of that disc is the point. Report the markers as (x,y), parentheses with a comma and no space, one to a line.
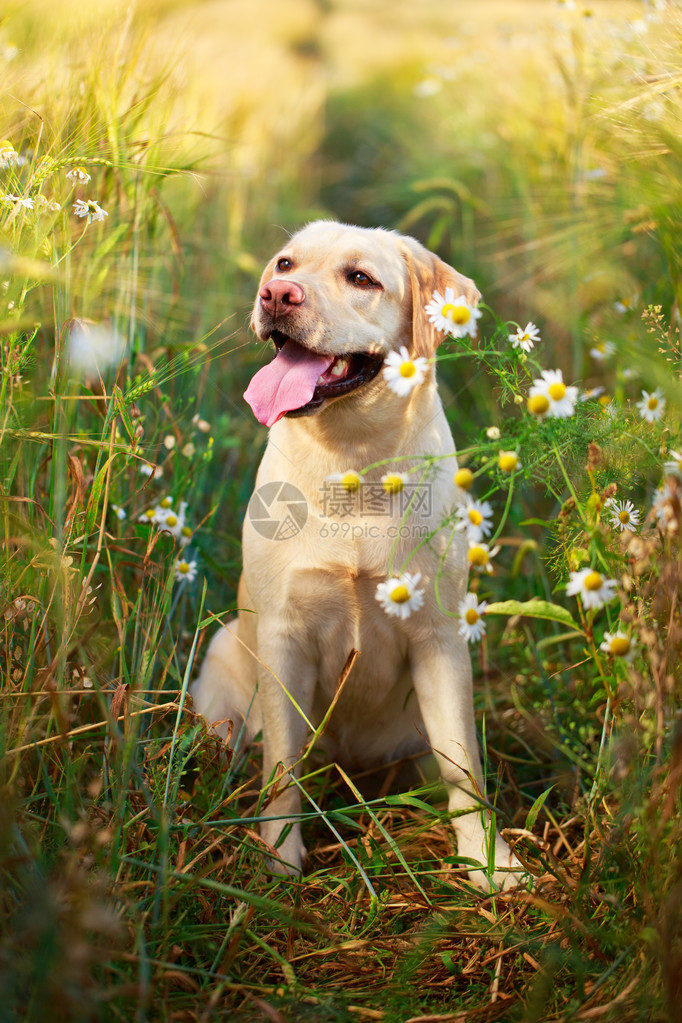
(92,509)
(449,963)
(534,609)
(563,637)
(403,799)
(536,807)
(120,403)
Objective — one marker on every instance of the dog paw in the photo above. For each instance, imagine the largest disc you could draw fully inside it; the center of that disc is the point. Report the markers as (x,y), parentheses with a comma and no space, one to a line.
(508,872)
(507,875)
(289,858)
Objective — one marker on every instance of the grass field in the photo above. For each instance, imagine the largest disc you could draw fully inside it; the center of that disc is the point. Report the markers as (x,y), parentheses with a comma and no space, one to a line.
(153,159)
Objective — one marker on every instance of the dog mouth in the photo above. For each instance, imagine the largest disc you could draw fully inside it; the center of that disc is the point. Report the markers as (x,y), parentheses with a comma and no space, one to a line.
(298,381)
(346,373)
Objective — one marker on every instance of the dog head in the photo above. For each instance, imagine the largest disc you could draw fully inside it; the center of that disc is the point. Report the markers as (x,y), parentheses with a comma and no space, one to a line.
(335,301)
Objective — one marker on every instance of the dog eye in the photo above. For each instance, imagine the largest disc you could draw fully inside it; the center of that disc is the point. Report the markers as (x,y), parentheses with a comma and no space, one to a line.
(284,264)
(360,279)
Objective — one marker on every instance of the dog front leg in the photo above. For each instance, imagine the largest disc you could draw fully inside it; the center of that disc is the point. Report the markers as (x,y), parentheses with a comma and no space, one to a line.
(290,681)
(443,684)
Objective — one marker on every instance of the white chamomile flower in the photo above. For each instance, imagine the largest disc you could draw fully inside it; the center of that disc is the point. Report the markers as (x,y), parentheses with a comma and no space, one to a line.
(8,154)
(560,399)
(49,204)
(624,515)
(626,304)
(618,644)
(603,350)
(119,512)
(394,482)
(94,348)
(674,466)
(476,518)
(592,587)
(471,612)
(26,203)
(90,209)
(400,596)
(78,176)
(525,337)
(453,315)
(171,521)
(479,555)
(591,392)
(148,517)
(349,479)
(607,405)
(154,472)
(402,373)
(185,571)
(629,373)
(493,433)
(651,406)
(662,505)
(508,461)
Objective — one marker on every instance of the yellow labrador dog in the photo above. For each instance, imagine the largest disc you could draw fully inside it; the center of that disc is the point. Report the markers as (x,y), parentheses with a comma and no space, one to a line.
(336,300)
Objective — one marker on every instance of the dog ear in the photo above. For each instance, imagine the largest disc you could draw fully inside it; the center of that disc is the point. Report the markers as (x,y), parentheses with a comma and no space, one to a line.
(428,273)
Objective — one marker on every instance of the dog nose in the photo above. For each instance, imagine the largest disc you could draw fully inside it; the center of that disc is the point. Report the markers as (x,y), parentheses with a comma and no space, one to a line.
(277,296)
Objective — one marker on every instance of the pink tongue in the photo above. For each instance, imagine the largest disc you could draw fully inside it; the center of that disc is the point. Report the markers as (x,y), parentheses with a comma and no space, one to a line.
(286,383)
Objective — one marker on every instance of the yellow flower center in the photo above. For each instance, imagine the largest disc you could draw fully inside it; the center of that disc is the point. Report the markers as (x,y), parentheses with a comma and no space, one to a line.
(679,465)
(407,369)
(475,517)
(652,403)
(149,513)
(593,581)
(507,461)
(538,404)
(351,481)
(400,594)
(464,478)
(393,483)
(457,313)
(619,646)
(624,516)
(171,520)
(478,556)
(183,567)
(166,503)
(604,400)
(471,616)
(186,531)
(557,391)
